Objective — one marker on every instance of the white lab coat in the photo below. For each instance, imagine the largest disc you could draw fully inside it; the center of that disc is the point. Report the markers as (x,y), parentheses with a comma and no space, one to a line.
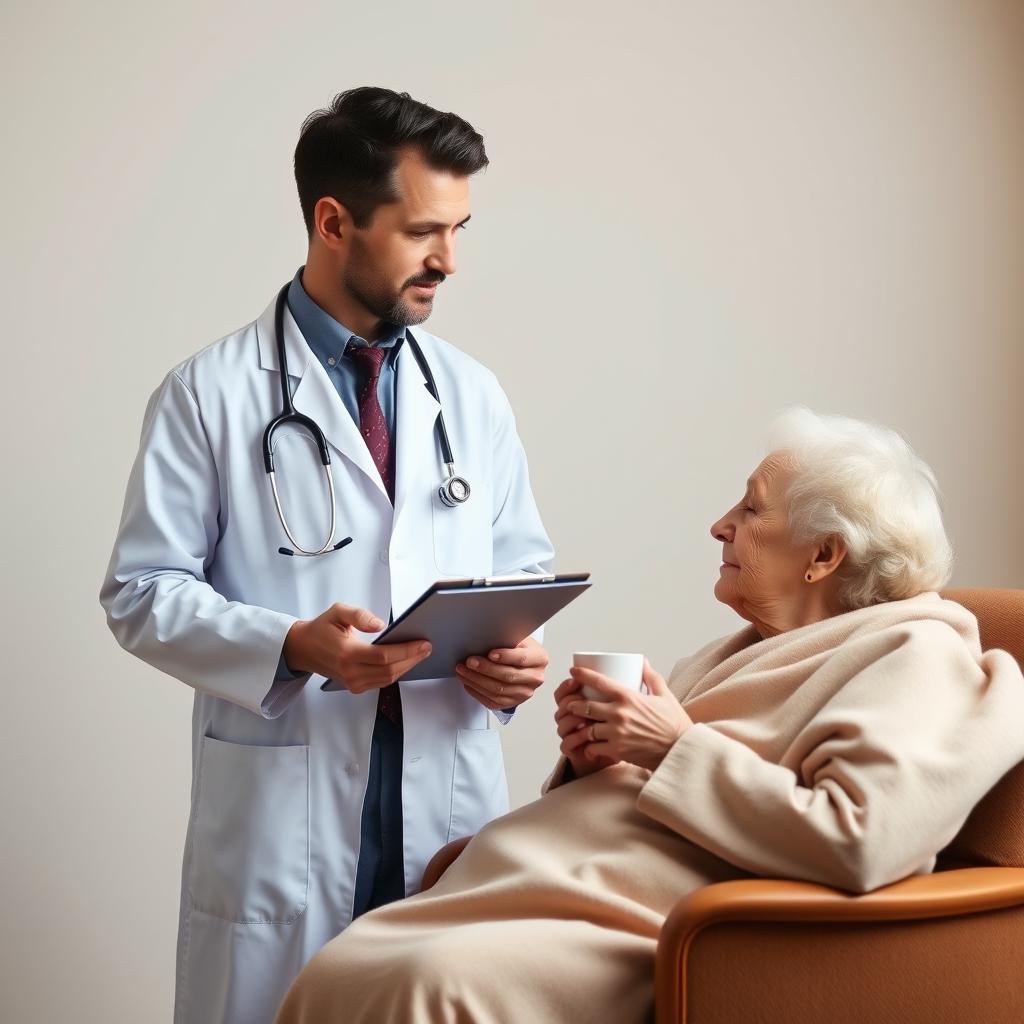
(196,587)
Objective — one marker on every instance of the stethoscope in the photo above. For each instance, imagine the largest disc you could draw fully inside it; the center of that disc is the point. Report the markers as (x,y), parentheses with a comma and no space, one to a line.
(453,492)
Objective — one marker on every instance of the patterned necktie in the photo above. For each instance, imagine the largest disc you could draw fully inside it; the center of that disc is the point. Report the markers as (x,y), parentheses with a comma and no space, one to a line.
(371,417)
(375,433)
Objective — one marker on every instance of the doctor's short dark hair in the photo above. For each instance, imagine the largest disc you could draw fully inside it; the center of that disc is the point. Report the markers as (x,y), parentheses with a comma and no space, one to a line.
(348,150)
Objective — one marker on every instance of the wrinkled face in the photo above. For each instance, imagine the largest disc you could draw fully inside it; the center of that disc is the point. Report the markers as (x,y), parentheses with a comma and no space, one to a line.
(395,264)
(762,571)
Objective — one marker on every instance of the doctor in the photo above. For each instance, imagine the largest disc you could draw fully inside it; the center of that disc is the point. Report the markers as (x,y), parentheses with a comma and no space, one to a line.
(310,807)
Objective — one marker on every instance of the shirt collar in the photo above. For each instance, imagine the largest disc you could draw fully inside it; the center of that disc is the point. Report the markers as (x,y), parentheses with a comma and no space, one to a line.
(329,338)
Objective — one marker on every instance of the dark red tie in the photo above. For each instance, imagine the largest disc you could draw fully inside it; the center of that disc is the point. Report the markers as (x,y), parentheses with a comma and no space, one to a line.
(375,433)
(371,416)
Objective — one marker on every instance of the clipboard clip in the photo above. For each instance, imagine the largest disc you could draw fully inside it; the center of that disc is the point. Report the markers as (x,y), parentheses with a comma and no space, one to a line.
(490,581)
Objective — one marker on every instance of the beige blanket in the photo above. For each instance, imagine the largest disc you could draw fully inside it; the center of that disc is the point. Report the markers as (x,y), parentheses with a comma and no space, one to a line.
(847,752)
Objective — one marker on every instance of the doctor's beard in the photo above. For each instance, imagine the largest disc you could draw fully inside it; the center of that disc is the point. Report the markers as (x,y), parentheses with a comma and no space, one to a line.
(377,295)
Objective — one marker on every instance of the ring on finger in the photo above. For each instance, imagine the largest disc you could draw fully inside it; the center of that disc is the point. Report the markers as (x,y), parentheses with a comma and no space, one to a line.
(593,732)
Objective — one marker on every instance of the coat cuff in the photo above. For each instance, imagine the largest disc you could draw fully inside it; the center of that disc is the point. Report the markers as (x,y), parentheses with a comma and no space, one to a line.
(683,778)
(286,685)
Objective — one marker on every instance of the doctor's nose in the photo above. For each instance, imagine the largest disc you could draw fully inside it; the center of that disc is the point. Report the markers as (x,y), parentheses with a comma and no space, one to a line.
(442,258)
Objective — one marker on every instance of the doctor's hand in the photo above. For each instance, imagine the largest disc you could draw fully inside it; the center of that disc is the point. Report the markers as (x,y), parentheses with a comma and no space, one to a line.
(328,646)
(504,678)
(625,725)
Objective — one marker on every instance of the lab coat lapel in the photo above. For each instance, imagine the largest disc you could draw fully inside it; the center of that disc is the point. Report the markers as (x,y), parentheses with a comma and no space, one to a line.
(315,395)
(417,457)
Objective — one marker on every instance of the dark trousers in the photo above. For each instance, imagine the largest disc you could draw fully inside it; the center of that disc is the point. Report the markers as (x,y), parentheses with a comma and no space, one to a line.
(380,873)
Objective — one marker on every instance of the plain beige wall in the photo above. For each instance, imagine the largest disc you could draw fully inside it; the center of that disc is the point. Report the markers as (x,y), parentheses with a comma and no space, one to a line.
(696,214)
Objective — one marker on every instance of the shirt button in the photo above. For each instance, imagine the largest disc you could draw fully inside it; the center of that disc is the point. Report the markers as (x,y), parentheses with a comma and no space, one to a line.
(385,557)
(331,360)
(351,768)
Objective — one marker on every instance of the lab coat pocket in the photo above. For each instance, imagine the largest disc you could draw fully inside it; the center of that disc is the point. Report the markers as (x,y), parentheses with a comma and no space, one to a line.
(249,835)
(479,790)
(463,543)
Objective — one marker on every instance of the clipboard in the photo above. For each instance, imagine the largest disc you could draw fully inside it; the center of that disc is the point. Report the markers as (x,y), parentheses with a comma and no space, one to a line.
(474,616)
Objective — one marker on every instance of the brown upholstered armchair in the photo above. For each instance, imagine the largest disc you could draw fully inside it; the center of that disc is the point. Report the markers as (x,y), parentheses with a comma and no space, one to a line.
(945,947)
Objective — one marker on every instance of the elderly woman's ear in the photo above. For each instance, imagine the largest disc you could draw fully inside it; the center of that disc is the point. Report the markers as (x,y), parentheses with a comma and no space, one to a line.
(827,557)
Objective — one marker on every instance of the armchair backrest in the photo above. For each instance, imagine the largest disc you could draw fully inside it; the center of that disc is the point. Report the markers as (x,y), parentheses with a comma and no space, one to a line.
(993,835)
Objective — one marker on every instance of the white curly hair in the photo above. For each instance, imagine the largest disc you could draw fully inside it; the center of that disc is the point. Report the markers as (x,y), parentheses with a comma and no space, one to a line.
(866,484)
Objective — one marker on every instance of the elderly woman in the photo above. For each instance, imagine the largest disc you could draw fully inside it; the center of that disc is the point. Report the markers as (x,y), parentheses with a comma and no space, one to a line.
(842,737)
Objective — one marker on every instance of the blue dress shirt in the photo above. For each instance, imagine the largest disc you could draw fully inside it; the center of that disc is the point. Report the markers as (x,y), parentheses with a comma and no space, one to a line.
(330,342)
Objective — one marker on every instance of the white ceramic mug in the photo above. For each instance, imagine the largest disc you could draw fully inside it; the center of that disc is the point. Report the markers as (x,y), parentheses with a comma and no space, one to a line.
(626,669)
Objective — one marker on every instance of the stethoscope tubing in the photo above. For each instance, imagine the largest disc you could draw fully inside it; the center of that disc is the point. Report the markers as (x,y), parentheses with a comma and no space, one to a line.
(453,492)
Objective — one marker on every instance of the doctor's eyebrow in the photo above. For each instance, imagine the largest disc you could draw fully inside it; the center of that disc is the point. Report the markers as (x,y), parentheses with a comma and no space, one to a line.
(433,225)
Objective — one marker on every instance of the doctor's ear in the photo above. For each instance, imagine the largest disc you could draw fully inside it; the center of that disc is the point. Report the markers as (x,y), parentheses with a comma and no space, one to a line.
(332,223)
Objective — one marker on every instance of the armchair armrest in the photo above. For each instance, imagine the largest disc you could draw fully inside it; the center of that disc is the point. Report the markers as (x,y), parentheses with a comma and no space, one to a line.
(442,861)
(764,903)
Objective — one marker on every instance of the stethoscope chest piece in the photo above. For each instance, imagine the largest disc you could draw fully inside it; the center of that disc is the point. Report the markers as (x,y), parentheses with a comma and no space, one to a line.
(455,490)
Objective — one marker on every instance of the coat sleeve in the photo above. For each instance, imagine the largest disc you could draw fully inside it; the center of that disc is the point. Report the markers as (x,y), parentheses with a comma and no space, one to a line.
(159,604)
(520,543)
(878,781)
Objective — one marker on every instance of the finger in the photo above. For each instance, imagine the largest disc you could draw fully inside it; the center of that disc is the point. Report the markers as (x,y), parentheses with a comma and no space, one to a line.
(564,688)
(573,741)
(362,683)
(392,671)
(362,619)
(505,656)
(562,711)
(495,678)
(503,674)
(375,678)
(565,705)
(655,683)
(570,724)
(520,657)
(412,650)
(495,688)
(600,748)
(530,677)
(488,702)
(482,698)
(588,677)
(591,710)
(390,654)
(572,721)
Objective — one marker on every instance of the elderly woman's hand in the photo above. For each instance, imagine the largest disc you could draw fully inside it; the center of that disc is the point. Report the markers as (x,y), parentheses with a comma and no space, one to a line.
(568,724)
(624,725)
